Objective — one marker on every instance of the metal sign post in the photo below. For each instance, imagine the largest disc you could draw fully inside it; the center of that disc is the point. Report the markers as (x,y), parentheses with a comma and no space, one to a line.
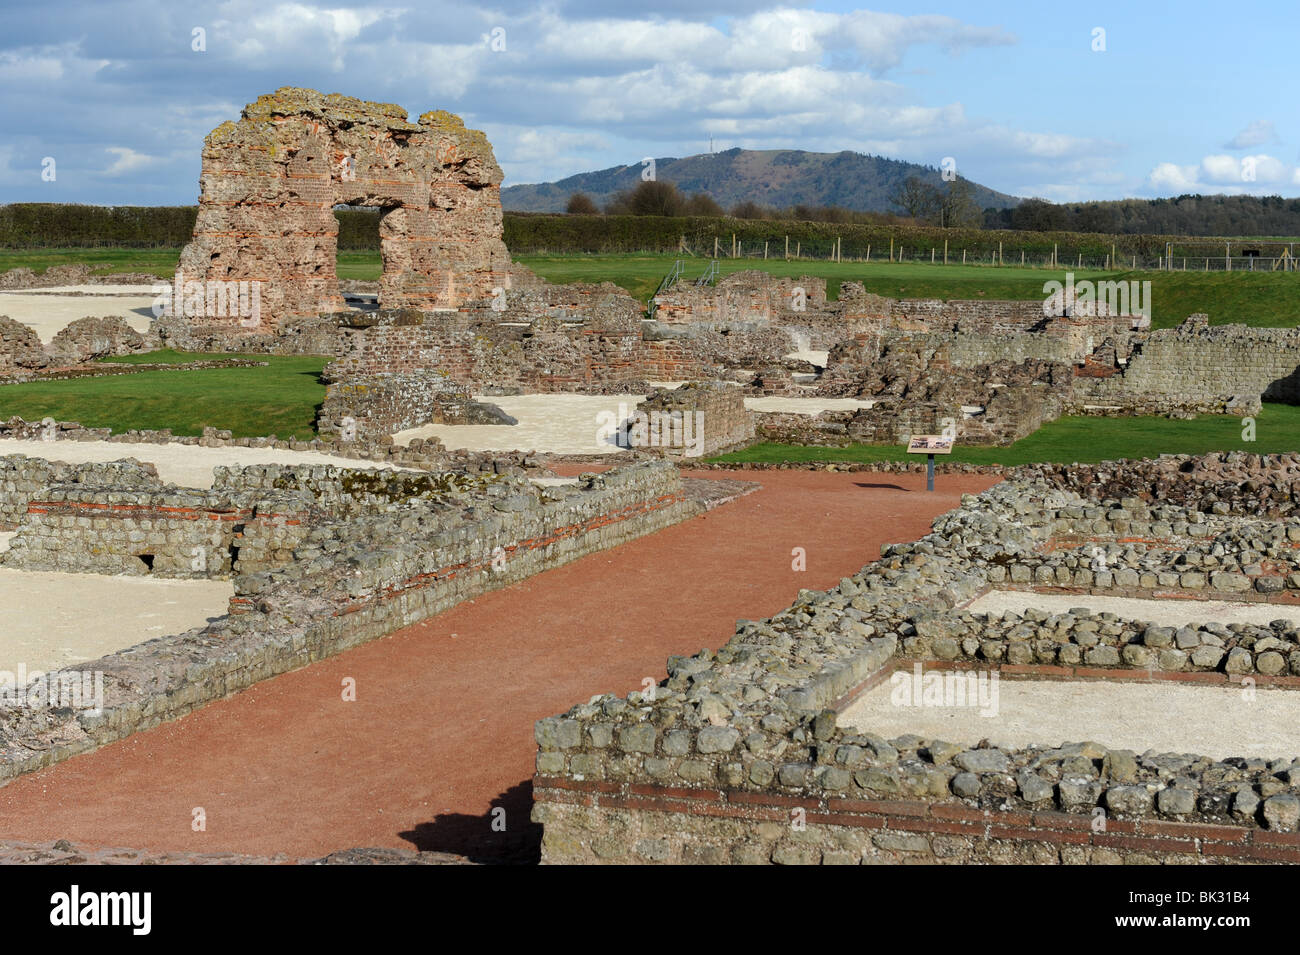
(930,445)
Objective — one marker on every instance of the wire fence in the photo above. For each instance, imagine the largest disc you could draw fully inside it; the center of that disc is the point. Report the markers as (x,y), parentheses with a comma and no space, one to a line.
(1279,258)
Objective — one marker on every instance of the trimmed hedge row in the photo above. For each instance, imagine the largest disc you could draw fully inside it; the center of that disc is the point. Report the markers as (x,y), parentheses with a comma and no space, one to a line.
(53,225)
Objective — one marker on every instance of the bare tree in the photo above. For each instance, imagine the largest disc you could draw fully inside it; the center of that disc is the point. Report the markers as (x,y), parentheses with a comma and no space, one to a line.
(956,205)
(917,199)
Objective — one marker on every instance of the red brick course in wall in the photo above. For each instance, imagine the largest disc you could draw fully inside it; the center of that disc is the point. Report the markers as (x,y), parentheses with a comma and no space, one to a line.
(241,605)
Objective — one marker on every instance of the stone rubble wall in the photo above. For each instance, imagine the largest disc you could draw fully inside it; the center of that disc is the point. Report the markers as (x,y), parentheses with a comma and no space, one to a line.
(23,478)
(20,347)
(349,583)
(1233,483)
(426,453)
(751,296)
(347,493)
(81,341)
(253,519)
(1196,360)
(400,369)
(169,532)
(371,406)
(75,274)
(738,755)
(718,419)
(89,339)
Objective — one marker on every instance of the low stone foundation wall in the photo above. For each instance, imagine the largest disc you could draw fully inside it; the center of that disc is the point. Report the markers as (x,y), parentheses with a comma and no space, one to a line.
(22,478)
(169,532)
(373,406)
(632,823)
(349,583)
(739,755)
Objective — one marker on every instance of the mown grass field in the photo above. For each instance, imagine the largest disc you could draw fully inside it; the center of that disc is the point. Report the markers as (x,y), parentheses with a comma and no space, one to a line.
(1251,298)
(280,399)
(1078,440)
(160,262)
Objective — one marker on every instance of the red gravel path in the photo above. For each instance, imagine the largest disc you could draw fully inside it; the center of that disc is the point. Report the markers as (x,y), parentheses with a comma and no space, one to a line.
(441,732)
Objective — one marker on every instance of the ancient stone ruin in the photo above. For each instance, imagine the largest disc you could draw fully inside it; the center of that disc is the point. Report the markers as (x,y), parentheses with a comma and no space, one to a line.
(270,183)
(760,753)
(321,559)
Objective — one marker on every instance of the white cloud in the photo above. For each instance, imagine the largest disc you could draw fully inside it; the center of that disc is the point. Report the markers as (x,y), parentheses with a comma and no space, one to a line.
(1256,134)
(127,161)
(1171,177)
(1221,173)
(290,31)
(882,39)
(542,155)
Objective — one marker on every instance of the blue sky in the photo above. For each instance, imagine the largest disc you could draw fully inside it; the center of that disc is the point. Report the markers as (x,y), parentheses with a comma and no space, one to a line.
(1186,97)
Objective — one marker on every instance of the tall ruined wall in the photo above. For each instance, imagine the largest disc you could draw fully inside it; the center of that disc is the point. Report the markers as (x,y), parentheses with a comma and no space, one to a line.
(270,182)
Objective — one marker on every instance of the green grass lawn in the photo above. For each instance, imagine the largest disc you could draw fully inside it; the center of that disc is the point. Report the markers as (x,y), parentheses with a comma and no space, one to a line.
(280,399)
(1078,439)
(159,262)
(641,274)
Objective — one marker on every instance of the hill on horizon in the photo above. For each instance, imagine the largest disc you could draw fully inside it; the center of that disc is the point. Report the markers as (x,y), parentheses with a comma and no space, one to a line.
(771,177)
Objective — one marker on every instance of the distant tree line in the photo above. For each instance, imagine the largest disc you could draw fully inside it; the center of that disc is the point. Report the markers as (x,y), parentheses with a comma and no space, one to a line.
(1184,215)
